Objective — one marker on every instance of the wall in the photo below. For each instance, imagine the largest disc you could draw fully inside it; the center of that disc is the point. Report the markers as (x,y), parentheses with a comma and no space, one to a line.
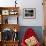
(38,21)
(39,13)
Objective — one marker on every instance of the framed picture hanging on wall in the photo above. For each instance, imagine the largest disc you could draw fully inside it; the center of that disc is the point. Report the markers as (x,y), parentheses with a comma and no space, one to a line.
(29,13)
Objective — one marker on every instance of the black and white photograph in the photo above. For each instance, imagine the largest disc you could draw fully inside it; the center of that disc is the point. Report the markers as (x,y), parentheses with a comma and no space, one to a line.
(29,13)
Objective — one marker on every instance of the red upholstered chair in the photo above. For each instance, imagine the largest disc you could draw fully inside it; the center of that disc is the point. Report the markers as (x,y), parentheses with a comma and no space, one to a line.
(28,34)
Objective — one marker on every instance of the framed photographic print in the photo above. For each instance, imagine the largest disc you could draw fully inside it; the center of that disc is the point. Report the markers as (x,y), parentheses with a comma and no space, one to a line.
(13,12)
(5,12)
(29,13)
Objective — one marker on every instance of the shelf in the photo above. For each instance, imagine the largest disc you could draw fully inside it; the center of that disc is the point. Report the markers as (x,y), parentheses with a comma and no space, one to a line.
(11,41)
(9,20)
(10,26)
(9,10)
(6,12)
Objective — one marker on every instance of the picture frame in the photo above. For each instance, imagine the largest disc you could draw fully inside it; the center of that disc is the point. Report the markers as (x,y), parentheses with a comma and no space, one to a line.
(5,12)
(29,13)
(13,12)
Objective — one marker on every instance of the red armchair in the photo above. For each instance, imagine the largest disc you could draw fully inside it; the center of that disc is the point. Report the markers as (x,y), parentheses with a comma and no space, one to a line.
(30,34)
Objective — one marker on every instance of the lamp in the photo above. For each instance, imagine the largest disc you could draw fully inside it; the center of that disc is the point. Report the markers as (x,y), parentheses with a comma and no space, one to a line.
(15,3)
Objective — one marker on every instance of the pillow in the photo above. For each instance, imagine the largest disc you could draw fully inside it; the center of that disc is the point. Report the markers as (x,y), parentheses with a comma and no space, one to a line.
(31,41)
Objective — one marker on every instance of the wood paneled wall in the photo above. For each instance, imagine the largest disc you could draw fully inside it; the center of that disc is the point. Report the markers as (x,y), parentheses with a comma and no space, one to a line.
(44,6)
